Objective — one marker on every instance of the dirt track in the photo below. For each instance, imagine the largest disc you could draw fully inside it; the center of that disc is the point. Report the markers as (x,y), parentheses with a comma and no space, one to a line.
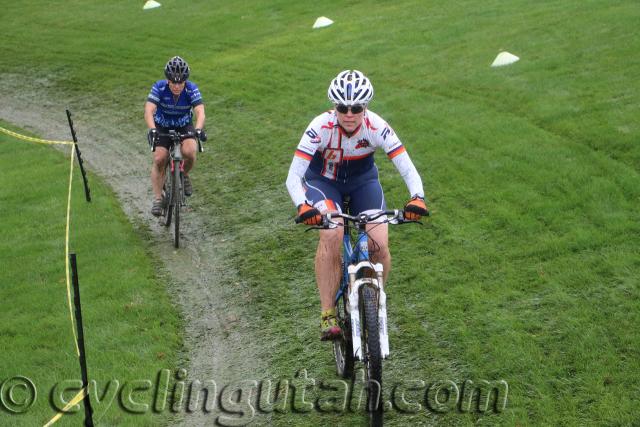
(217,340)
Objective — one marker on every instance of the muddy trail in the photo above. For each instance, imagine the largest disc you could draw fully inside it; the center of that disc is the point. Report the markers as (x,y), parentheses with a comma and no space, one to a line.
(217,337)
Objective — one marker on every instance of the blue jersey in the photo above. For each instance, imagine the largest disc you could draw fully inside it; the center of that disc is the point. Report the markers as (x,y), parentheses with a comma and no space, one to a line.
(171,113)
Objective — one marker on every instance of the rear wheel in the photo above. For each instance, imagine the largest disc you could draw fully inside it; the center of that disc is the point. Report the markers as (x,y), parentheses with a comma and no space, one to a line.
(343,346)
(177,201)
(372,354)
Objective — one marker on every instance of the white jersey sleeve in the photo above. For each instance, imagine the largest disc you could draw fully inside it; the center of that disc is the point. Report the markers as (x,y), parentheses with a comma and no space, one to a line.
(409,174)
(309,143)
(294,179)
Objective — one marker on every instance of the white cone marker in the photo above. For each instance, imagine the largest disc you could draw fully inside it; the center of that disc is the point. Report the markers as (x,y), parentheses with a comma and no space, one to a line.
(504,58)
(151,4)
(323,21)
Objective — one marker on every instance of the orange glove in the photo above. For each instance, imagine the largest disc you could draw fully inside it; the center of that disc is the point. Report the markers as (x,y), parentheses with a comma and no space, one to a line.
(308,214)
(415,209)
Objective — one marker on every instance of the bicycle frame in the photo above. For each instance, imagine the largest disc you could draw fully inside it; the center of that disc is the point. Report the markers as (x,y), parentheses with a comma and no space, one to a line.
(173,182)
(175,153)
(363,308)
(175,156)
(356,262)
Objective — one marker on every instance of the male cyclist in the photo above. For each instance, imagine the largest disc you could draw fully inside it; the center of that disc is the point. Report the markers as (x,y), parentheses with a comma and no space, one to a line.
(171,105)
(334,159)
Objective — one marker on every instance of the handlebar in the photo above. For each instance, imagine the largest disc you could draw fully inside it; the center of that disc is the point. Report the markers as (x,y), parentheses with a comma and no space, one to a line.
(178,137)
(395,216)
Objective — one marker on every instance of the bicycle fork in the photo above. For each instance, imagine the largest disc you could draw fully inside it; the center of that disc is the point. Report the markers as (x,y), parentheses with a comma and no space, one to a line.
(354,306)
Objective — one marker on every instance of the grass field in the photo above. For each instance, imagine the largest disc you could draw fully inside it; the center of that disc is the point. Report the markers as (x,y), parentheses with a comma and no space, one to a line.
(528,270)
(131,327)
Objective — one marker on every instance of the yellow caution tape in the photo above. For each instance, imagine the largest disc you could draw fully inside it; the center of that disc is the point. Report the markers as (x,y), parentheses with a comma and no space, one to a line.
(32,139)
(66,245)
(73,402)
(81,395)
(66,253)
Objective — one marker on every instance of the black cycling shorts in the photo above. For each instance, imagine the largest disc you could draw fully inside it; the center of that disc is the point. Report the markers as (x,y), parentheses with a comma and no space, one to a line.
(165,141)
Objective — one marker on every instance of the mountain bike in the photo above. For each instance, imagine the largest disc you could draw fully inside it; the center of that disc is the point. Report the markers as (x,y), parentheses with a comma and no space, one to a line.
(173,197)
(361,304)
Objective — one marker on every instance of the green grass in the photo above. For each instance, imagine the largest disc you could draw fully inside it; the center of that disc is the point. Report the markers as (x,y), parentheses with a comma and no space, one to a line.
(528,269)
(131,328)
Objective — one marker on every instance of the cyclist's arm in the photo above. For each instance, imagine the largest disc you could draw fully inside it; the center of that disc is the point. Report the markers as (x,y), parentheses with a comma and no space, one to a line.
(309,143)
(198,111)
(297,169)
(409,174)
(149,112)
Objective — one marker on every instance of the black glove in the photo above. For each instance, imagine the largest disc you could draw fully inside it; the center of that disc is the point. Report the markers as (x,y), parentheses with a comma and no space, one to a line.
(152,137)
(201,134)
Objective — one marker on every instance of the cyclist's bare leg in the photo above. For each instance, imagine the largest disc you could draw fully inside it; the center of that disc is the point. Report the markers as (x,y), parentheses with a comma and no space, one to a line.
(160,159)
(189,150)
(379,251)
(328,266)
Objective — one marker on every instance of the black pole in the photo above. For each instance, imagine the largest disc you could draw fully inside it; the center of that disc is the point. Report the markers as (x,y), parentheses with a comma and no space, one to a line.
(87,192)
(88,411)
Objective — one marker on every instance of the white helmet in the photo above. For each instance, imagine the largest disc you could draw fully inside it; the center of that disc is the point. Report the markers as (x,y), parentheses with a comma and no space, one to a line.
(350,87)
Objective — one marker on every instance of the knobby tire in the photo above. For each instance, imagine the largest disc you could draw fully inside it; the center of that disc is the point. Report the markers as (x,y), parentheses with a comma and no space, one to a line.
(372,353)
(168,197)
(177,201)
(343,346)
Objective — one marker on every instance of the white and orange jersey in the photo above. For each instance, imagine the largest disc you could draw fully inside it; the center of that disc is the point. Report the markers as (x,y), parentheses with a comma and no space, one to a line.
(337,156)
(327,150)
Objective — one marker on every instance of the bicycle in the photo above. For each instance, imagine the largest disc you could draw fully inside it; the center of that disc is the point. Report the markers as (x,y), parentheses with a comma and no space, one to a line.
(361,304)
(173,198)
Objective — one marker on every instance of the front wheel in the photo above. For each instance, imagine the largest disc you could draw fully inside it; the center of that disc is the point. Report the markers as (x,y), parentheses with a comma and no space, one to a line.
(177,202)
(167,198)
(372,353)
(343,346)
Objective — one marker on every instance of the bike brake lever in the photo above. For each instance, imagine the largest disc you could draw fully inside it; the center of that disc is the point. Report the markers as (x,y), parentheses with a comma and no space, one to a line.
(330,225)
(325,226)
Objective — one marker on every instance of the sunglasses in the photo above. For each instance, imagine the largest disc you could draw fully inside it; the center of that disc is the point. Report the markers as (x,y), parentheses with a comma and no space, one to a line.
(355,109)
